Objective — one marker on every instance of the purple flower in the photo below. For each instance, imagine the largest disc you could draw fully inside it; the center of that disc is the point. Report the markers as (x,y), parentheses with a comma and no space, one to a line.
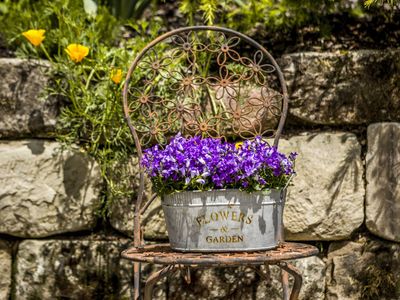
(195,163)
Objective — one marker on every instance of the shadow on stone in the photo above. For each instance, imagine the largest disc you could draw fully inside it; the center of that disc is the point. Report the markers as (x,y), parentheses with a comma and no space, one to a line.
(348,166)
(383,176)
(36,121)
(75,171)
(36,146)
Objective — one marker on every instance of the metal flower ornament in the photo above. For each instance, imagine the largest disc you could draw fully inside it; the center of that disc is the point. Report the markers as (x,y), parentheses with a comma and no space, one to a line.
(206,84)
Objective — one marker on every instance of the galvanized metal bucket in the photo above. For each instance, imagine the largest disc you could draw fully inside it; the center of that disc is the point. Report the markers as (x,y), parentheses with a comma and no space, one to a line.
(224,220)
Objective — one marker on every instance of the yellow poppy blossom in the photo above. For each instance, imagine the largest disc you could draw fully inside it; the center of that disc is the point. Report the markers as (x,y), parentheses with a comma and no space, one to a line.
(116,75)
(77,52)
(238,145)
(34,36)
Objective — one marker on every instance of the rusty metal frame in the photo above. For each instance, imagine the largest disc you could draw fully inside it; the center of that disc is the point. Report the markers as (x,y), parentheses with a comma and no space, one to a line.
(162,254)
(159,116)
(171,269)
(156,65)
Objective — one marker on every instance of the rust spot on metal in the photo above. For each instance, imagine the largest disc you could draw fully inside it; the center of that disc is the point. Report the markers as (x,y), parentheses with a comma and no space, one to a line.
(203,126)
(187,81)
(155,65)
(224,48)
(143,99)
(186,46)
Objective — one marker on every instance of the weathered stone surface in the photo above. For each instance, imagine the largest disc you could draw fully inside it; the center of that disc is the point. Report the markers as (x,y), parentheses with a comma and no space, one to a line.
(313,271)
(6,269)
(383,183)
(74,269)
(326,201)
(153,221)
(343,88)
(122,211)
(44,191)
(342,259)
(23,110)
(364,269)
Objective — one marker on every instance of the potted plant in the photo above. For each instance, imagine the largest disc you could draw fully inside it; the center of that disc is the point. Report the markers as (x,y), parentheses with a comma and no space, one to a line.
(220,196)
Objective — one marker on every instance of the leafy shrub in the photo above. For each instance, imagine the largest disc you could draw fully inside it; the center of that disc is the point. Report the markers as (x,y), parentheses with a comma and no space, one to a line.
(89,60)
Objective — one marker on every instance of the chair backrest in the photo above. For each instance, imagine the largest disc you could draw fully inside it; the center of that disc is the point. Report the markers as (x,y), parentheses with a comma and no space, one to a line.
(203,80)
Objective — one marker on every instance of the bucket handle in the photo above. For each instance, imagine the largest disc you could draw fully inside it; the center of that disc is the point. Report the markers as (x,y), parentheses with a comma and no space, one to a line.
(286,185)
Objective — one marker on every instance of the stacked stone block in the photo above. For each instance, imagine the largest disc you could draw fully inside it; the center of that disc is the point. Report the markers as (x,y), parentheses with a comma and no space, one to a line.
(345,198)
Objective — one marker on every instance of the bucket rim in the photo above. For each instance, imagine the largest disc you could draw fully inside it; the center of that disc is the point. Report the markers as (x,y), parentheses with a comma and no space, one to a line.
(263,192)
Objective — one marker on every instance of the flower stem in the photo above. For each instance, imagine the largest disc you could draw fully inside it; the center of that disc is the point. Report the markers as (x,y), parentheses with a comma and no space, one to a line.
(45,52)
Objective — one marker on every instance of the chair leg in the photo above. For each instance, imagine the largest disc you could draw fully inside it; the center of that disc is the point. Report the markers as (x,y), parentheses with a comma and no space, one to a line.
(285,284)
(136,280)
(187,275)
(264,276)
(298,279)
(153,278)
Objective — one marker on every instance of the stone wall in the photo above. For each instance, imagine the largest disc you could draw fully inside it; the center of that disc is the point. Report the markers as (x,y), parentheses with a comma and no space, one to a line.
(344,122)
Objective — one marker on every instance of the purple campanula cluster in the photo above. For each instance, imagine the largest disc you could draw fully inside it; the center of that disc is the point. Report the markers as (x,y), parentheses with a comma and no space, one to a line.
(205,164)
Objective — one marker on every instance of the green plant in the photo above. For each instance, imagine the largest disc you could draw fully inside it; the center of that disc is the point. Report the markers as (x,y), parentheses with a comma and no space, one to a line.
(65,22)
(126,9)
(369,3)
(94,120)
(88,61)
(243,15)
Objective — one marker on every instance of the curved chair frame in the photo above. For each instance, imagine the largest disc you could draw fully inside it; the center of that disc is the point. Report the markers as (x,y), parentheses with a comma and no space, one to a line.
(162,38)
(144,99)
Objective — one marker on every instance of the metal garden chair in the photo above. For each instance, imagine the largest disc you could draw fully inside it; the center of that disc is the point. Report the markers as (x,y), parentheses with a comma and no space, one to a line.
(207,81)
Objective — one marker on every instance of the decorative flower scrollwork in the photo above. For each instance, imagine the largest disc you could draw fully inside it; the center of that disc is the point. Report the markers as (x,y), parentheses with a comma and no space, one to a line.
(186,82)
(189,42)
(226,83)
(225,48)
(240,116)
(155,65)
(152,130)
(205,127)
(143,101)
(181,110)
(269,102)
(197,83)
(256,68)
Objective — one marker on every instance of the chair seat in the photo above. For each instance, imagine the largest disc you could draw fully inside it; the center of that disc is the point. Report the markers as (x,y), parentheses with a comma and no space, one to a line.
(163,254)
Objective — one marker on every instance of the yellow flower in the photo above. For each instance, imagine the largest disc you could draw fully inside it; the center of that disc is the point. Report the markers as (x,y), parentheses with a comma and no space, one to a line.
(116,75)
(238,145)
(34,36)
(77,52)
